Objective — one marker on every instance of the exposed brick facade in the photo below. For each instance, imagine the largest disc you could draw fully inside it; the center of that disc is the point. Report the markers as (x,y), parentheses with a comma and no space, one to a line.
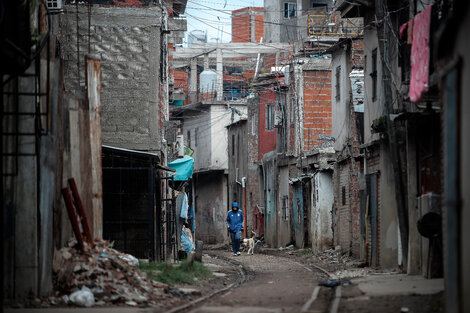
(266,137)
(247,22)
(317,107)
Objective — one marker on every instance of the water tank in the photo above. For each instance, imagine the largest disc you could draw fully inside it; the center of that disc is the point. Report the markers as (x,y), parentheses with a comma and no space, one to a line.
(207,81)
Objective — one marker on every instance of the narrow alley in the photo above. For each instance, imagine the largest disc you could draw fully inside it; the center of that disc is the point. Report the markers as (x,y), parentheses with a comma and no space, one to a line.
(235,156)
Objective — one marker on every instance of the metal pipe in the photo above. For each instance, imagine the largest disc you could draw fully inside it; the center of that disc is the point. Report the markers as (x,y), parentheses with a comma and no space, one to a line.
(244,205)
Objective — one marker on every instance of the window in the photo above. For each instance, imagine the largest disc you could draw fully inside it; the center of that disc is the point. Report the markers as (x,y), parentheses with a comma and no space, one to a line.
(337,83)
(373,74)
(233,144)
(189,138)
(270,116)
(285,208)
(290,9)
(343,195)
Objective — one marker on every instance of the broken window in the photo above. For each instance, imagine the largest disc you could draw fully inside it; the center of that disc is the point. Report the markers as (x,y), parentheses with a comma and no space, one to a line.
(373,74)
(290,9)
(337,83)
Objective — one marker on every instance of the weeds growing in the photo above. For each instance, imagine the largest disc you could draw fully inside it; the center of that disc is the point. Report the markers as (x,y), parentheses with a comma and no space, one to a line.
(181,273)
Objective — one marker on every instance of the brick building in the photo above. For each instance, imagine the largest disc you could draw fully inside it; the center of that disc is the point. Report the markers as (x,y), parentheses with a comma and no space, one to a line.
(248,24)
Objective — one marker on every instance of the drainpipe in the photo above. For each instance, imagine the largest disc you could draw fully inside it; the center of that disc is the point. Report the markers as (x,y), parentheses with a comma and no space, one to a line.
(244,205)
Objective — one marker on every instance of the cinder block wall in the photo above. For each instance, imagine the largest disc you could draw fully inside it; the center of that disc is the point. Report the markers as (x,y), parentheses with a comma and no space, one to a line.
(128,42)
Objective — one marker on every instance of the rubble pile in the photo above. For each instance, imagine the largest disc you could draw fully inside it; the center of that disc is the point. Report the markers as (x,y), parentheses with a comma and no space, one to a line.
(332,256)
(100,276)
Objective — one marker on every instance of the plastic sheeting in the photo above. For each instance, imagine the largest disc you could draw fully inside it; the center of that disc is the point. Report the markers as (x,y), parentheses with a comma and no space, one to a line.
(183,167)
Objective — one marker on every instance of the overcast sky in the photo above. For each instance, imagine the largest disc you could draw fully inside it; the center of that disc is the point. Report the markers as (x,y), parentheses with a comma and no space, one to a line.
(211,15)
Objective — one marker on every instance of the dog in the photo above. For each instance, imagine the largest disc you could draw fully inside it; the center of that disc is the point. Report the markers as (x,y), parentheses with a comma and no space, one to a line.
(250,243)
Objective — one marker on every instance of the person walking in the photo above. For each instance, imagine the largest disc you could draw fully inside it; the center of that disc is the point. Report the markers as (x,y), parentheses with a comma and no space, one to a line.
(235,225)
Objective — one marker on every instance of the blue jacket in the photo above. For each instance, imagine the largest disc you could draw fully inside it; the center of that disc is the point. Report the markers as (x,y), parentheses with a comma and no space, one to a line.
(235,220)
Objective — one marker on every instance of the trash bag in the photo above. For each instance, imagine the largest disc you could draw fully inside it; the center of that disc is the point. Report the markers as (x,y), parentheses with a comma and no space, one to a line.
(186,243)
(83,297)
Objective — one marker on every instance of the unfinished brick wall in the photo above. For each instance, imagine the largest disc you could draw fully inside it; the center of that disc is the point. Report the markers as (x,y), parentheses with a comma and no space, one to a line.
(317,107)
(242,24)
(267,137)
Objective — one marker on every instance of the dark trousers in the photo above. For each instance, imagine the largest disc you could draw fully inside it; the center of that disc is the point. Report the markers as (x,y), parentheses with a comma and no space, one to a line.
(235,237)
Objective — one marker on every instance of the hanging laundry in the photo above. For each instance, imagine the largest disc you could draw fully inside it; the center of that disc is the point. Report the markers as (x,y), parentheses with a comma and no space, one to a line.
(184,207)
(420,55)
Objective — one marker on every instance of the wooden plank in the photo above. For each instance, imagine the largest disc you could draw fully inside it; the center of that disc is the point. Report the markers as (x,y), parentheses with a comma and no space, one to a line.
(93,84)
(80,210)
(73,217)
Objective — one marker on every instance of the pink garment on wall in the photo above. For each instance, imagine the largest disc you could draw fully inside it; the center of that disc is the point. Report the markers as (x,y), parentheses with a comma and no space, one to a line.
(420,55)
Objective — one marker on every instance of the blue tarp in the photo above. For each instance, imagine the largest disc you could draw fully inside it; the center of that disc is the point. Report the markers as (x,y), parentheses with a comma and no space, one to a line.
(183,167)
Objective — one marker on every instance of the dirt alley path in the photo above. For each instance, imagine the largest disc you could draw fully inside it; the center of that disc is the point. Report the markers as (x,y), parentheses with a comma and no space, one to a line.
(279,285)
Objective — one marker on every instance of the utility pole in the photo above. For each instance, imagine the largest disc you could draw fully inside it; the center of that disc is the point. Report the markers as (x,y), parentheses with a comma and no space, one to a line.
(383,36)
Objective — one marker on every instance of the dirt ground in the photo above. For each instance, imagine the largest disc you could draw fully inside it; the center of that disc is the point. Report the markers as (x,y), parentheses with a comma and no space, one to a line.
(279,285)
(274,281)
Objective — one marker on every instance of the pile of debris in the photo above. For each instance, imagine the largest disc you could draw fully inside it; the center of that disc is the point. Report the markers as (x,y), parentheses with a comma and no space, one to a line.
(335,259)
(101,275)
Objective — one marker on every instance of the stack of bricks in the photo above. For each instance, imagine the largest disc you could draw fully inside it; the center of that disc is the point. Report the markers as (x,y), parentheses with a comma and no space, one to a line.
(317,107)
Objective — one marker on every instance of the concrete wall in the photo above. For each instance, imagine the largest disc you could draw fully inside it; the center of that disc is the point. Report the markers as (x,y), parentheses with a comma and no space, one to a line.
(285,218)
(199,125)
(238,167)
(372,109)
(128,41)
(220,118)
(211,206)
(270,213)
(341,108)
(388,245)
(462,47)
(321,218)
(254,193)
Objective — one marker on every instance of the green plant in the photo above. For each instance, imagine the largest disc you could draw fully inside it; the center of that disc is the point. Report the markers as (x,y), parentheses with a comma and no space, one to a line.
(181,273)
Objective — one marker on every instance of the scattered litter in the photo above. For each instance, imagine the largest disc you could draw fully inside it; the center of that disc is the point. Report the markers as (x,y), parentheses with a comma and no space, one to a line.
(131,303)
(83,297)
(331,283)
(102,276)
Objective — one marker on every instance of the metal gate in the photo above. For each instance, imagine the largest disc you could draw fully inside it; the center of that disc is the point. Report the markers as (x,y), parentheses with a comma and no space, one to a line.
(138,205)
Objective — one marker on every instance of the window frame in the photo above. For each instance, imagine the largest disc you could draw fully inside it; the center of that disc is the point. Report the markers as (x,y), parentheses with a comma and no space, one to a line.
(373,74)
(269,116)
(288,10)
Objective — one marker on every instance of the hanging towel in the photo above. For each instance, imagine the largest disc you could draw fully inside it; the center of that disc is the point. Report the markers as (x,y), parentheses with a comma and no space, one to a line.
(184,207)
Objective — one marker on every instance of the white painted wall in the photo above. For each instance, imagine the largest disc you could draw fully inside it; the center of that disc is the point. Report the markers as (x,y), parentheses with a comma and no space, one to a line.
(372,109)
(201,122)
(340,109)
(321,218)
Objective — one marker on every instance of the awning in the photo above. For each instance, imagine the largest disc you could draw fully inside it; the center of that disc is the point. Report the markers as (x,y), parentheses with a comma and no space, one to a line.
(183,167)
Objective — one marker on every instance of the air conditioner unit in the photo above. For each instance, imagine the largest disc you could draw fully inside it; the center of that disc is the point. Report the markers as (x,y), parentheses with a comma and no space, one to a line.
(54,5)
